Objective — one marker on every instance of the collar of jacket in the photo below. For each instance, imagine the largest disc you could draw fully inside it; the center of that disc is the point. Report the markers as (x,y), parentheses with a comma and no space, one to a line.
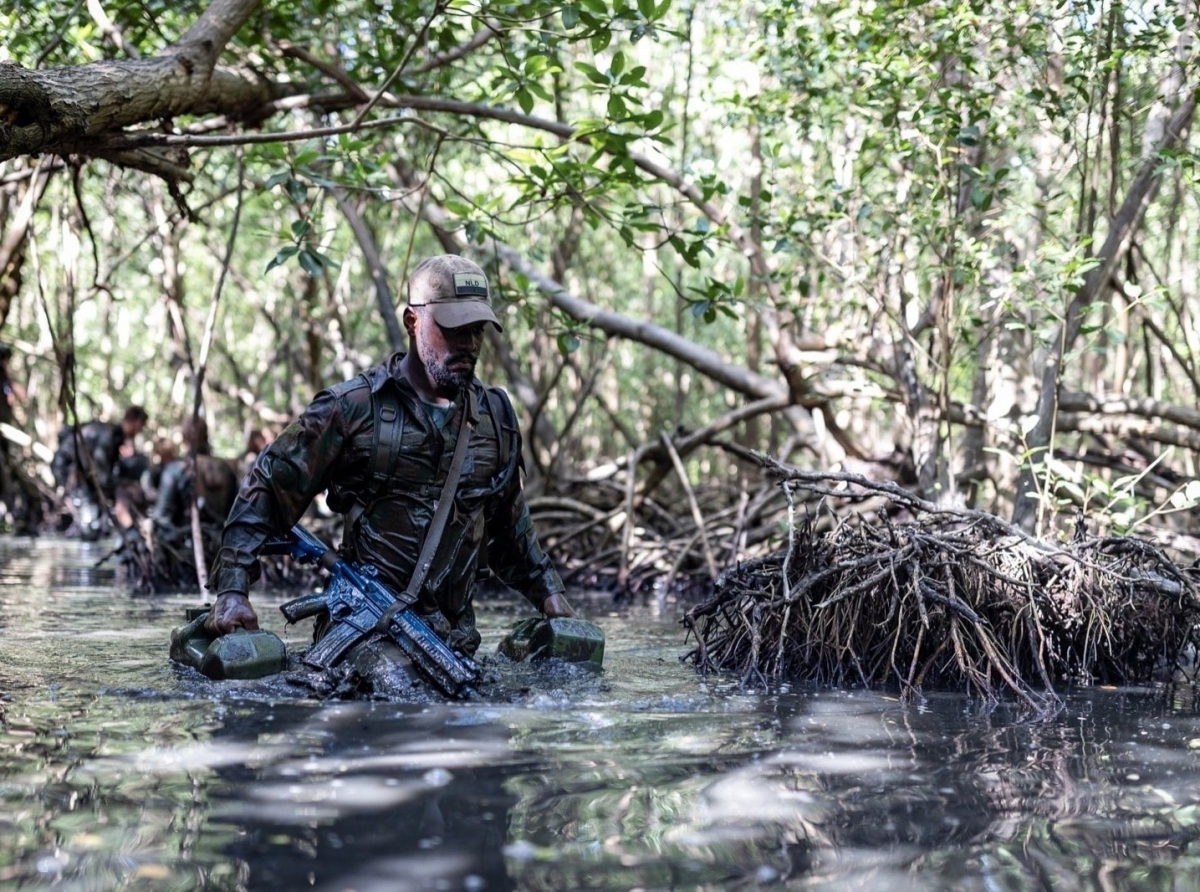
(391,371)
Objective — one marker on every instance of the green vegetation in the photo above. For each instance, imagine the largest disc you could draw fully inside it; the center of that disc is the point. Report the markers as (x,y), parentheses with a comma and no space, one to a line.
(960,232)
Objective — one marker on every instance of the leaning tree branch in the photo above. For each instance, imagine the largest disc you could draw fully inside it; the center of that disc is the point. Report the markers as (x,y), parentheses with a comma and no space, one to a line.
(1144,408)
(366,243)
(664,340)
(491,28)
(329,69)
(788,351)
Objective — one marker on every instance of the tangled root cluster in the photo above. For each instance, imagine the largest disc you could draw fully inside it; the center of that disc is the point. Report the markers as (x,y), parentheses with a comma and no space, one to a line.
(950,599)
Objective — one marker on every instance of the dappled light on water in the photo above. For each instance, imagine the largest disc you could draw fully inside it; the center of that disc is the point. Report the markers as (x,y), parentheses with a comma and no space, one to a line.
(120,770)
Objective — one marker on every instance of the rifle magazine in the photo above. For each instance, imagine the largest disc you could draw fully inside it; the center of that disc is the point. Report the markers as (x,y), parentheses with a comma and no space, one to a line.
(327,652)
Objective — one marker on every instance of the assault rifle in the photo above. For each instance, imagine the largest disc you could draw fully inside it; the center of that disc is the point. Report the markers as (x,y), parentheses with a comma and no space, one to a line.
(359,605)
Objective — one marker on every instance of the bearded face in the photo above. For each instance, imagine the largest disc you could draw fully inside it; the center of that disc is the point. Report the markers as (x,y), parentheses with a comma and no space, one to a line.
(448,354)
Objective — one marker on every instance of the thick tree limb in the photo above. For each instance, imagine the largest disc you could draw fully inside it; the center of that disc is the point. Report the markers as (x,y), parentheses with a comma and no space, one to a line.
(1146,408)
(12,248)
(1128,426)
(60,109)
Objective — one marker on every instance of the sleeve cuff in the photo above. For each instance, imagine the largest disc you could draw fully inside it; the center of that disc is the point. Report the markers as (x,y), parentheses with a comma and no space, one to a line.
(229,577)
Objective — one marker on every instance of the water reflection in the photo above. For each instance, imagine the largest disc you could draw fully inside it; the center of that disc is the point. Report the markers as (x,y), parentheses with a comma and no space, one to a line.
(120,771)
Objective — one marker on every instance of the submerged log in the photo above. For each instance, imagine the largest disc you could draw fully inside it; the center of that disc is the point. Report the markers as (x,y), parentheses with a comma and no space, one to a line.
(945,598)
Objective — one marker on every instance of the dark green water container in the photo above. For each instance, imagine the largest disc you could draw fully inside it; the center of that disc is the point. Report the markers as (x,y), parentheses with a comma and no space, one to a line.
(240,654)
(565,638)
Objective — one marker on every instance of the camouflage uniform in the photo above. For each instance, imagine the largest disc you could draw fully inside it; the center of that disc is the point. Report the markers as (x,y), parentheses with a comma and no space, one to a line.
(101,441)
(330,447)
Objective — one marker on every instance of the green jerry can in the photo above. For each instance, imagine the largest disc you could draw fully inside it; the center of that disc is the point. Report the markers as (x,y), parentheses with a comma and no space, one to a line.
(240,654)
(565,638)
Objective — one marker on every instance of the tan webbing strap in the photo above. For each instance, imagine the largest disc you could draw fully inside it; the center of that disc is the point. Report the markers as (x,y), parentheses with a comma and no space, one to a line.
(437,525)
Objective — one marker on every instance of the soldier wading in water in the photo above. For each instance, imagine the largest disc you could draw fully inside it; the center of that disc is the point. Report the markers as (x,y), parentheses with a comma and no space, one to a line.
(381,444)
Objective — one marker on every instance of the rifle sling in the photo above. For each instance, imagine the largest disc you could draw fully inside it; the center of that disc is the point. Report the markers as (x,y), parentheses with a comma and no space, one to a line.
(436,526)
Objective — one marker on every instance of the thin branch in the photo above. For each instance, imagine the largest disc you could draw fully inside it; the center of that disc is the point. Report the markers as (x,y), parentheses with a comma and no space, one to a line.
(201,369)
(681,472)
(490,29)
(58,38)
(329,69)
(438,8)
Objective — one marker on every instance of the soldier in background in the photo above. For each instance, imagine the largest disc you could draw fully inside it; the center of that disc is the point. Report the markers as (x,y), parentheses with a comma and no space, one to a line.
(90,462)
(201,483)
(256,442)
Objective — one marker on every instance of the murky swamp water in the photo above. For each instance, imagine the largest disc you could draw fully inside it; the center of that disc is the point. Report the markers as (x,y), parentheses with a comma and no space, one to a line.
(119,771)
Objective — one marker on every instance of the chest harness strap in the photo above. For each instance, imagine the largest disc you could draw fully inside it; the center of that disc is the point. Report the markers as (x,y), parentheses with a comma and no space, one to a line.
(437,525)
(389,425)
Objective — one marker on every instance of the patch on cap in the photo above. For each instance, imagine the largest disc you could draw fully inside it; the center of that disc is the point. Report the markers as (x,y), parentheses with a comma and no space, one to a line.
(470,285)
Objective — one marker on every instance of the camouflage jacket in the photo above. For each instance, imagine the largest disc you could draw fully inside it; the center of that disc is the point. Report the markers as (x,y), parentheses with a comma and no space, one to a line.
(177,489)
(100,444)
(330,447)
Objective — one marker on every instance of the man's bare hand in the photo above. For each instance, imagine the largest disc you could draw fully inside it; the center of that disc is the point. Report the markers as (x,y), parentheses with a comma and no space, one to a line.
(557,606)
(231,611)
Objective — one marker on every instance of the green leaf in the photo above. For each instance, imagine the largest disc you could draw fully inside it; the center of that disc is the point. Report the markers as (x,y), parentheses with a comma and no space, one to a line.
(324,259)
(538,90)
(594,74)
(618,64)
(281,256)
(646,8)
(525,100)
(570,16)
(601,40)
(310,264)
(322,181)
(634,76)
(616,107)
(300,228)
(276,178)
(535,65)
(296,190)
(567,343)
(306,156)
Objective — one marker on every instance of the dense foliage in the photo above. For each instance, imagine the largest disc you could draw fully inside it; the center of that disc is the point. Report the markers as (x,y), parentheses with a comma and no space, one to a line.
(876,218)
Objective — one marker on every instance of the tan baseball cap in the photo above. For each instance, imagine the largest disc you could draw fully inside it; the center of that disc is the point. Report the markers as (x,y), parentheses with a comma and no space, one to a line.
(455,290)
